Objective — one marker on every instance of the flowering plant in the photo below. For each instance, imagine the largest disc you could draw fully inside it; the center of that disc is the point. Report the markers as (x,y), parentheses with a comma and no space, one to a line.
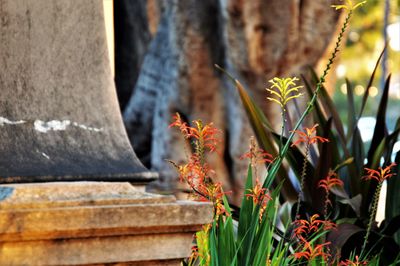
(319,230)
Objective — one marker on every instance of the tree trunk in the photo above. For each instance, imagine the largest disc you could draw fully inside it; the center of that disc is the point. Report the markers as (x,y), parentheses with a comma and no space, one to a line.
(132,38)
(255,40)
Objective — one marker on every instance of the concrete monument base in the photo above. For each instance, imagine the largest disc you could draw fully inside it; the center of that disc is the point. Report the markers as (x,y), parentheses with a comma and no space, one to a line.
(95,223)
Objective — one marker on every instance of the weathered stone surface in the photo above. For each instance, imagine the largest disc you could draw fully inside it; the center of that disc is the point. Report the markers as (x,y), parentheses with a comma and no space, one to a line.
(68,194)
(59,115)
(95,223)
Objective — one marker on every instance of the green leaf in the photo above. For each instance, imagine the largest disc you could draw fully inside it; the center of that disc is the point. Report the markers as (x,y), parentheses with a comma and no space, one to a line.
(214,245)
(226,237)
(246,209)
(263,240)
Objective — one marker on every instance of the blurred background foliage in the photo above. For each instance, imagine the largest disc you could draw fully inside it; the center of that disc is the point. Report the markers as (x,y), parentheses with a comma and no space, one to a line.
(364,44)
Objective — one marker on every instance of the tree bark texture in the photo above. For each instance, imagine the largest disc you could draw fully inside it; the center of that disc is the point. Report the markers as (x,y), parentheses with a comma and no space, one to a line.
(255,40)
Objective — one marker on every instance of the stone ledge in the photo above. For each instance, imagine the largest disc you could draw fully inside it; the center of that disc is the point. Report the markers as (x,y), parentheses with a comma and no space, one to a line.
(85,227)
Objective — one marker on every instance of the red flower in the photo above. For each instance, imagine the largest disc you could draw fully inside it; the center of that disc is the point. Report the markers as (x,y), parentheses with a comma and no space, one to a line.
(381,174)
(309,252)
(259,156)
(258,194)
(330,181)
(205,135)
(256,155)
(196,172)
(305,228)
(260,197)
(307,136)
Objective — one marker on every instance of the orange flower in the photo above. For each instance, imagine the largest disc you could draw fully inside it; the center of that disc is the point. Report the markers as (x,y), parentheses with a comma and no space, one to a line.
(330,181)
(259,194)
(357,262)
(305,228)
(381,174)
(256,155)
(196,172)
(308,137)
(205,135)
(260,197)
(309,252)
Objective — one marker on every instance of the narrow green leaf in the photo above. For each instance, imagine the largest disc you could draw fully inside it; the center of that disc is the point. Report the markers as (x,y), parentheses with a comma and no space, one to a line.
(214,245)
(229,236)
(246,210)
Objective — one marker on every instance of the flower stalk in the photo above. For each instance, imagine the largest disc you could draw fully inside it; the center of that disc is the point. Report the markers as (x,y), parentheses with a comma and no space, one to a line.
(278,162)
(308,137)
(379,175)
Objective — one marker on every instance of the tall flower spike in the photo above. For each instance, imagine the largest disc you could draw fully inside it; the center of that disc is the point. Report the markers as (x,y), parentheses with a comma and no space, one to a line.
(349,5)
(330,181)
(196,172)
(308,137)
(380,175)
(283,90)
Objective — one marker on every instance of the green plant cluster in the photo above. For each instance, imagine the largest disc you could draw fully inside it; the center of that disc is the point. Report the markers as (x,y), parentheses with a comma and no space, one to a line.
(329,164)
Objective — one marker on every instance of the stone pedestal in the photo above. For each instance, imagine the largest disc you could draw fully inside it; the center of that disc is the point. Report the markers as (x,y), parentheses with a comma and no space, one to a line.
(60,121)
(95,223)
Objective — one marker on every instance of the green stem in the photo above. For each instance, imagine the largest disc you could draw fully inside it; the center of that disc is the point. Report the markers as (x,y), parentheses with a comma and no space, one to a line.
(274,169)
(282,128)
(374,208)
(302,180)
(326,204)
